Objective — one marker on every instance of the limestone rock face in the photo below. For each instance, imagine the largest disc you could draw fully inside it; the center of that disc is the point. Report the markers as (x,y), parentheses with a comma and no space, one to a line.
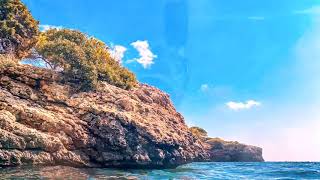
(45,121)
(230,151)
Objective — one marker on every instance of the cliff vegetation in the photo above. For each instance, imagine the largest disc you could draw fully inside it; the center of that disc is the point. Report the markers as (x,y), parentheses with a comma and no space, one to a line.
(82,59)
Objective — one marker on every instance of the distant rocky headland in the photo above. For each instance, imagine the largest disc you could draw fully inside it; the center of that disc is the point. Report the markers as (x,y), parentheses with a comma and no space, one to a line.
(46,120)
(232,151)
(227,151)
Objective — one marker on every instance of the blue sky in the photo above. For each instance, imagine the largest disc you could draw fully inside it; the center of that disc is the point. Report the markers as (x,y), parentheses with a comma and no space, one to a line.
(243,70)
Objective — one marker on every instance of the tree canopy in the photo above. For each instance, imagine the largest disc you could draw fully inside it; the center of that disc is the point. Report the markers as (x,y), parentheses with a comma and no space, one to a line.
(17,27)
(199,132)
(82,57)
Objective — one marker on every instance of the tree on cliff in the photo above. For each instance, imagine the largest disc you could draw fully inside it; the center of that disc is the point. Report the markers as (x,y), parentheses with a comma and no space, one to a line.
(199,132)
(18,29)
(82,58)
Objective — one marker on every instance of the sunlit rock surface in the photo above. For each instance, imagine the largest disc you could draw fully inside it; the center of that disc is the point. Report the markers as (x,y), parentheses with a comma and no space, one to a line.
(46,121)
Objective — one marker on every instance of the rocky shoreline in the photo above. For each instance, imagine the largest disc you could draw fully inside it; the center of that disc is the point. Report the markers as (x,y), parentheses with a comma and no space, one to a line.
(44,120)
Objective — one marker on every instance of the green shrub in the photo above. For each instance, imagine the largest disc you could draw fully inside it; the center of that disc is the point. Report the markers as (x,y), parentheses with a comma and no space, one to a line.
(18,27)
(199,132)
(7,60)
(82,58)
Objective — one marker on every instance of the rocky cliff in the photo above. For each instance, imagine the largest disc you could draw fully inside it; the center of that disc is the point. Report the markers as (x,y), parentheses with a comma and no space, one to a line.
(232,151)
(46,121)
(227,151)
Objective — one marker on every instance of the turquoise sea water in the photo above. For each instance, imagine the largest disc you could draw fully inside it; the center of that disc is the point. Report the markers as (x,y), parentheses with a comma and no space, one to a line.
(267,170)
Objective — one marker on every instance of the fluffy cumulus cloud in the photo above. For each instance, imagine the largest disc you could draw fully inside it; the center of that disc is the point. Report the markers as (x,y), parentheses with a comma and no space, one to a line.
(46,27)
(242,105)
(117,52)
(146,56)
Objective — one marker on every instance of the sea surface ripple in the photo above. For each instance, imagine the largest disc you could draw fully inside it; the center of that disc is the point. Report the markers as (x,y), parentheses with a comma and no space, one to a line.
(221,170)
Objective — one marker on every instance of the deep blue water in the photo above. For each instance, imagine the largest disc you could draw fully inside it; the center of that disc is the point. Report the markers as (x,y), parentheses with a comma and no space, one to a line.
(267,170)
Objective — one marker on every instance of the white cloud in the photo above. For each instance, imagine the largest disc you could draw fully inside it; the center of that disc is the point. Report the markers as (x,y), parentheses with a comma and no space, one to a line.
(117,52)
(256,18)
(146,56)
(314,10)
(204,87)
(242,105)
(46,27)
